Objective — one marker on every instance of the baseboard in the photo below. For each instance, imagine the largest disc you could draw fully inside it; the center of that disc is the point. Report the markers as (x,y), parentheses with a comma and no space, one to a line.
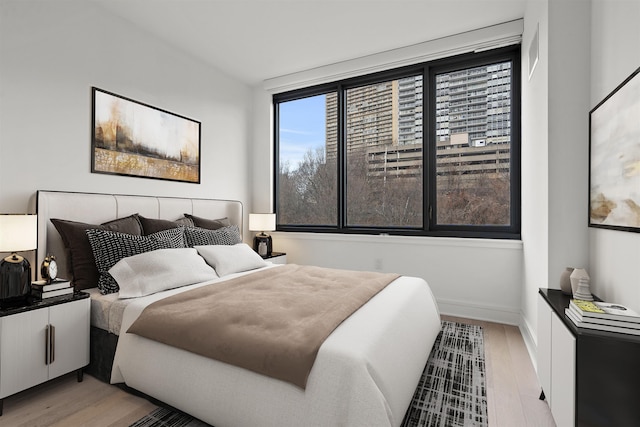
(489,313)
(529,341)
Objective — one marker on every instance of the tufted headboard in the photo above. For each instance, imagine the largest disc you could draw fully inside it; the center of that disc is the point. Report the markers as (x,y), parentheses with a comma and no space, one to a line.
(96,208)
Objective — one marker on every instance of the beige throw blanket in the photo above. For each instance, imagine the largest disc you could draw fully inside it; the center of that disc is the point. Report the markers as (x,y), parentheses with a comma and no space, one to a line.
(272,322)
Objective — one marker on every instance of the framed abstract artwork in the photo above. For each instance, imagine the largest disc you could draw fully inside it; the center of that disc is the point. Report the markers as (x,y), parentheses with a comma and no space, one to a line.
(135,139)
(614,158)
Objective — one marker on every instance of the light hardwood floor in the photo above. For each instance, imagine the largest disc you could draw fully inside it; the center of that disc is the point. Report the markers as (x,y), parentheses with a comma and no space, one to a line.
(512,392)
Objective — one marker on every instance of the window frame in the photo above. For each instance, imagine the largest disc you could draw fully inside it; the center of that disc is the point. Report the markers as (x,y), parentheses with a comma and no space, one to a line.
(428,70)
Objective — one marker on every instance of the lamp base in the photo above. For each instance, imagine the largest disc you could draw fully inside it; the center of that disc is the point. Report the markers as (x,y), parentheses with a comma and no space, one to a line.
(15,280)
(262,244)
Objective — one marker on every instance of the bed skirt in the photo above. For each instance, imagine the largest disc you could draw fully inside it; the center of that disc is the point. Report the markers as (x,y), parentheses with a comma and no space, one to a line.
(102,352)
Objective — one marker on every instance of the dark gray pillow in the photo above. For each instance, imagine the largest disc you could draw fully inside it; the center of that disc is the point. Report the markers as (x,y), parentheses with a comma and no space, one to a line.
(209,224)
(109,247)
(151,225)
(82,265)
(195,236)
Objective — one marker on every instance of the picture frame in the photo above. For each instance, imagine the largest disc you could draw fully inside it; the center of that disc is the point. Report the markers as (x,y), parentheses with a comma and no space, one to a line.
(131,138)
(614,158)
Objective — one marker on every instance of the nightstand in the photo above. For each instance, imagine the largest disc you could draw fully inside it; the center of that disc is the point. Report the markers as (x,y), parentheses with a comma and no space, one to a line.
(277,258)
(43,340)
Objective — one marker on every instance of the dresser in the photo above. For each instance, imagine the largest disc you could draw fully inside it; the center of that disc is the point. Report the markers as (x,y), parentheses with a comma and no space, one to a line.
(589,377)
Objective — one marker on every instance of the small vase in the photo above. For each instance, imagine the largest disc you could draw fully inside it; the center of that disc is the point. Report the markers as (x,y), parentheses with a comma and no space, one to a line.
(576,275)
(565,281)
(584,292)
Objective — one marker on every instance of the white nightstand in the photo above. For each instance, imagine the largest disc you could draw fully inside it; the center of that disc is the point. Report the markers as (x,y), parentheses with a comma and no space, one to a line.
(42,341)
(277,258)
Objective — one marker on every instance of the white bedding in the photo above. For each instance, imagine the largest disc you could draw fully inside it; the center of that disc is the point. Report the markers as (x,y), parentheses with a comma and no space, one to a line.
(106,310)
(364,375)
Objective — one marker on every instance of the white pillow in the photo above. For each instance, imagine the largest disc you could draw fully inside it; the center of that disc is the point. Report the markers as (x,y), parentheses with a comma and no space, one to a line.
(159,270)
(227,259)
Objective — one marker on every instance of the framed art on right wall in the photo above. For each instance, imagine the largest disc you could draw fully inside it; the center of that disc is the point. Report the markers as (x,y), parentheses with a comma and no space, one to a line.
(614,158)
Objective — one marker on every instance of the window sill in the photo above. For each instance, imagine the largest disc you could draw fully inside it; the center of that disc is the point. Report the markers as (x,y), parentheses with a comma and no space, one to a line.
(403,240)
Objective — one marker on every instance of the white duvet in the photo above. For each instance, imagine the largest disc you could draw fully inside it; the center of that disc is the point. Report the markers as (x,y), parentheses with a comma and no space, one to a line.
(365,372)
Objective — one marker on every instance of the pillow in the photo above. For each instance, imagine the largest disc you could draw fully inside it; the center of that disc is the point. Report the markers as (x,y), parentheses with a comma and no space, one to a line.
(82,265)
(209,224)
(151,225)
(110,247)
(188,222)
(227,259)
(151,272)
(222,236)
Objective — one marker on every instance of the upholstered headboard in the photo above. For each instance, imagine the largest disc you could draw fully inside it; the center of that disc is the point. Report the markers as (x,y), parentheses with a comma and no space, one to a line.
(95,208)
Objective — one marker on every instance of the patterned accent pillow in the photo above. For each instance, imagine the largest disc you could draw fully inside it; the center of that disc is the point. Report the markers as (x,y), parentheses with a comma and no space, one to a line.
(222,236)
(174,235)
(110,247)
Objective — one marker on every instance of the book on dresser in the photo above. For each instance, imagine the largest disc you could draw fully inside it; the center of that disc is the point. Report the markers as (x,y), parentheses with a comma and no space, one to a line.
(603,310)
(603,316)
(42,289)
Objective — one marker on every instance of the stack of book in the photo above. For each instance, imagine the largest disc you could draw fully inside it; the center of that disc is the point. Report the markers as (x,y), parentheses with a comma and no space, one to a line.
(43,289)
(603,316)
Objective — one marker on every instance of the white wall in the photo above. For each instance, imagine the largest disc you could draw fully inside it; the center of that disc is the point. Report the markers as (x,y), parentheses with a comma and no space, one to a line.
(52,54)
(535,165)
(615,53)
(555,148)
(469,277)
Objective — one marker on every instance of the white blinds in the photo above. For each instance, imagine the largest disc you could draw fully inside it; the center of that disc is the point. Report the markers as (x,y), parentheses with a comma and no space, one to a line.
(486,38)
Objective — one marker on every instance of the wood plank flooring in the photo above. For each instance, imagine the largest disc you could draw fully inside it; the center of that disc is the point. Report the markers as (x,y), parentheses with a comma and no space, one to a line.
(512,392)
(512,385)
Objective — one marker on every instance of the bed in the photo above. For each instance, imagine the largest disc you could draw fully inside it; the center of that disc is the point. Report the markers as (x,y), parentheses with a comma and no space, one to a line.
(364,373)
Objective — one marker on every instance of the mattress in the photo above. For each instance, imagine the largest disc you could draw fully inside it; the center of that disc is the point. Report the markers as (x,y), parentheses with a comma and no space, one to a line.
(365,372)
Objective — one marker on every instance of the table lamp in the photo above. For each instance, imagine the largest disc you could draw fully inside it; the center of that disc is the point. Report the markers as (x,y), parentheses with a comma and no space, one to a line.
(18,232)
(262,222)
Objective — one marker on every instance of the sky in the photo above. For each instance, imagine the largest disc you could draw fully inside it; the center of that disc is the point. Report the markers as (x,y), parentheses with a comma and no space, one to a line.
(302,128)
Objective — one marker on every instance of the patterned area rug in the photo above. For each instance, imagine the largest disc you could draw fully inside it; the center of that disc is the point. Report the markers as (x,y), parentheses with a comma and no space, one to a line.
(451,391)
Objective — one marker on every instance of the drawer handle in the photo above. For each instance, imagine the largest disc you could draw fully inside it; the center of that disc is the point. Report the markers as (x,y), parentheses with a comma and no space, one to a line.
(49,344)
(52,342)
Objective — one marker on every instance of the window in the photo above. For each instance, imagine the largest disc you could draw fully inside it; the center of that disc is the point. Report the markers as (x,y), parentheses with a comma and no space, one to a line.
(431,149)
(307,172)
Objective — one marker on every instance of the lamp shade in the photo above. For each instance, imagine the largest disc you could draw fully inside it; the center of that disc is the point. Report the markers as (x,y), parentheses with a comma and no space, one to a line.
(18,232)
(262,222)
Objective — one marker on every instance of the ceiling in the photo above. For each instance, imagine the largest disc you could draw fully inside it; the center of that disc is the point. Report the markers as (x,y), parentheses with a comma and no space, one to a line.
(254,40)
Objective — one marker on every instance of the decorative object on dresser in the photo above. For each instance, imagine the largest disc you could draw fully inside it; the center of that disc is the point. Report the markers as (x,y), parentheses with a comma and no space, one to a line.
(614,144)
(565,281)
(136,139)
(18,232)
(575,277)
(583,293)
(262,222)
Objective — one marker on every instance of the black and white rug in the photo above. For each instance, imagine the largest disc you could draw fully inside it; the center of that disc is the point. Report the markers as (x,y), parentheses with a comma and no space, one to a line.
(451,391)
